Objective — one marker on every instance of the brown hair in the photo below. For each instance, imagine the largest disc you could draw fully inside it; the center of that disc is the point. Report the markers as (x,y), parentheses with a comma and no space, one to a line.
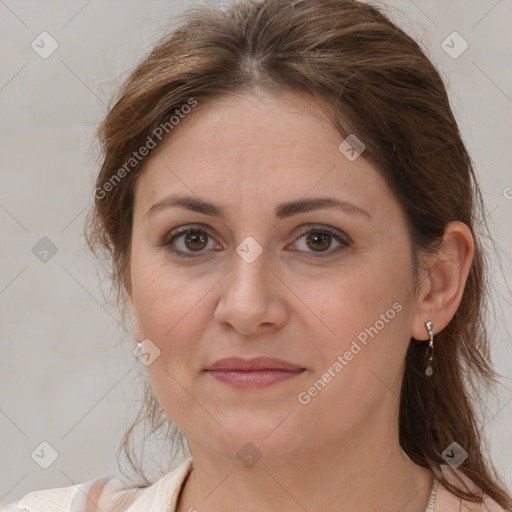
(380,86)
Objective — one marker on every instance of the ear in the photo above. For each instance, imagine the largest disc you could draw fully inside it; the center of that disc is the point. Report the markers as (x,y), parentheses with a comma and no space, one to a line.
(443,282)
(127,281)
(128,287)
(137,332)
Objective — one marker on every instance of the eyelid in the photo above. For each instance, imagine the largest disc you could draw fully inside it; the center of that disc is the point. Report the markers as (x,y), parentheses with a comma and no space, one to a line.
(341,237)
(183,229)
(306,228)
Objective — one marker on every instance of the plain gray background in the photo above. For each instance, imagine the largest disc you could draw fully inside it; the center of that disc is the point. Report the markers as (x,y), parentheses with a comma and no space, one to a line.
(68,375)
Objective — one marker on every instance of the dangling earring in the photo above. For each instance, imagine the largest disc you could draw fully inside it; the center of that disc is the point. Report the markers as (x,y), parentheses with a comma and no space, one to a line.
(430,348)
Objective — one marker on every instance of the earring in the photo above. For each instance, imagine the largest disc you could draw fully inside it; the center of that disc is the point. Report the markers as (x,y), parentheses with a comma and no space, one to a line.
(137,349)
(430,348)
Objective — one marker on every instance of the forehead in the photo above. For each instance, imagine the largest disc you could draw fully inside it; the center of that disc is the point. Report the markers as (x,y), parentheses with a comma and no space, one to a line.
(278,129)
(263,147)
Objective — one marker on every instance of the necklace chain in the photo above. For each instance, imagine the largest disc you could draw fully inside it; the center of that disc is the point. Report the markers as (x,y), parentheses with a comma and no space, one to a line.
(433,493)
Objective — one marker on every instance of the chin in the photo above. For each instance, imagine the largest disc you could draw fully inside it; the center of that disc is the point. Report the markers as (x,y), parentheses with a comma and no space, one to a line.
(260,436)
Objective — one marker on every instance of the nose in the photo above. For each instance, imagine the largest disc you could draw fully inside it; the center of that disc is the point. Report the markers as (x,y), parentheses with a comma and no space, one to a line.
(252,297)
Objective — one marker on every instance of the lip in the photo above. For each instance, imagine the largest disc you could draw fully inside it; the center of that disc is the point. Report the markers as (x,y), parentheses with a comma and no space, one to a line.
(255,373)
(256,363)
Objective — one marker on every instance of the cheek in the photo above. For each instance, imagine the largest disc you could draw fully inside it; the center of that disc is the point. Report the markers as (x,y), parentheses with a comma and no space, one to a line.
(163,303)
(172,315)
(371,347)
(368,309)
(173,308)
(355,297)
(160,291)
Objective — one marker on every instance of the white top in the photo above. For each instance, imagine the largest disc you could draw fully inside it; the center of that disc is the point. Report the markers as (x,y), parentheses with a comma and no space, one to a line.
(162,496)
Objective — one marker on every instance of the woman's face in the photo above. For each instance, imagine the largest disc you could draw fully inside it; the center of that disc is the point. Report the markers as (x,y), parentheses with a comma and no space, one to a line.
(265,273)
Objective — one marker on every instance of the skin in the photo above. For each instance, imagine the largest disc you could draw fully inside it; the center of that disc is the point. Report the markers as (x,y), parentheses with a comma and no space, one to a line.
(248,153)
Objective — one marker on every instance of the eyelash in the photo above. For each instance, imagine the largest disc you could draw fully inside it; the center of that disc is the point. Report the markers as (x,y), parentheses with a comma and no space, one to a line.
(169,239)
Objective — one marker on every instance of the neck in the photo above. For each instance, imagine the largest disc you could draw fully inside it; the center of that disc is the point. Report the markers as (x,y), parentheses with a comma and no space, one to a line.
(355,475)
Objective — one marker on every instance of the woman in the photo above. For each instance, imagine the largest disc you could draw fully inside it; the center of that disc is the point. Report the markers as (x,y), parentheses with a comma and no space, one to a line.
(290,215)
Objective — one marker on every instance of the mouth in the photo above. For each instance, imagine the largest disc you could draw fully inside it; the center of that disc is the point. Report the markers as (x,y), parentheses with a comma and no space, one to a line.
(256,373)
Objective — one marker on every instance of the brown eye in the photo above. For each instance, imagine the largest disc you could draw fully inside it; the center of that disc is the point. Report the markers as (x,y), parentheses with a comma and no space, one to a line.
(195,240)
(187,241)
(318,241)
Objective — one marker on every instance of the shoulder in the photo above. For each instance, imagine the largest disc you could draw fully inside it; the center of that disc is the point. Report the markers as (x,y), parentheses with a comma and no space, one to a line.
(447,502)
(106,494)
(46,499)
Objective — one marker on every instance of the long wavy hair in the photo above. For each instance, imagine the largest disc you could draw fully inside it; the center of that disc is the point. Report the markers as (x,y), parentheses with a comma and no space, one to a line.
(380,86)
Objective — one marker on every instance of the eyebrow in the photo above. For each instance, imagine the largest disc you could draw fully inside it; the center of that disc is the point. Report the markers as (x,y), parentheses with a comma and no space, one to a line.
(282,210)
